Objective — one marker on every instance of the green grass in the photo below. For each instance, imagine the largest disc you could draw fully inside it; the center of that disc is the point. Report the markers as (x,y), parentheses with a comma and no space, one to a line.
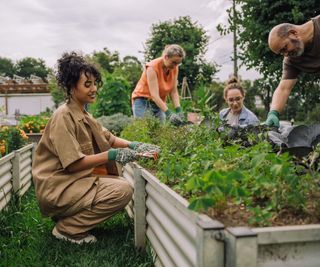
(26,240)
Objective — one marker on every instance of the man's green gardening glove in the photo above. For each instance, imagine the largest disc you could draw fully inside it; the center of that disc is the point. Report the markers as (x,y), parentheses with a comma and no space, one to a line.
(273,118)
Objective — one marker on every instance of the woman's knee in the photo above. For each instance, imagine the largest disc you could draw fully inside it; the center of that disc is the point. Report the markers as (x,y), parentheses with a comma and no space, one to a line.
(123,192)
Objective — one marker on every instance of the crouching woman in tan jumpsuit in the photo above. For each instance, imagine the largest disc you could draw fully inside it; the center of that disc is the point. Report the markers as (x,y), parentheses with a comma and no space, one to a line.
(72,145)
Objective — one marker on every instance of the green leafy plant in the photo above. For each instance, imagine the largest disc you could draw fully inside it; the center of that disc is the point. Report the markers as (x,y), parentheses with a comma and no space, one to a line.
(215,171)
(115,123)
(113,97)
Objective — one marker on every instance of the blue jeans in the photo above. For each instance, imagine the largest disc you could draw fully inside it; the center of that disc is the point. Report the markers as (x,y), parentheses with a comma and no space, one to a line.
(143,106)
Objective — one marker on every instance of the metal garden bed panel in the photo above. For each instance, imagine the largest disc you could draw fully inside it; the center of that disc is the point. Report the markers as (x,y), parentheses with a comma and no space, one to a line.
(128,175)
(5,180)
(288,246)
(22,169)
(178,236)
(15,173)
(284,246)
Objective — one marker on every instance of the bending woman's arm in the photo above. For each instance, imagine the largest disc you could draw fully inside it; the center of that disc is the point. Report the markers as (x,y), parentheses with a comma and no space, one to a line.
(175,94)
(154,89)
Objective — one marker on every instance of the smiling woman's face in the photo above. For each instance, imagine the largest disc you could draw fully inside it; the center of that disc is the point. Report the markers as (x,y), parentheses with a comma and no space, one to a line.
(234,99)
(86,90)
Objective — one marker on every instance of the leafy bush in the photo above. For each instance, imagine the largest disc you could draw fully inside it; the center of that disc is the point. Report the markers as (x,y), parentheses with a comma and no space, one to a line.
(213,173)
(33,124)
(115,123)
(113,97)
(11,138)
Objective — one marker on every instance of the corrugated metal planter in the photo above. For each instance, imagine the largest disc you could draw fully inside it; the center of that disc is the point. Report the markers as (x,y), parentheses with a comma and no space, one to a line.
(15,173)
(181,237)
(5,180)
(22,169)
(34,137)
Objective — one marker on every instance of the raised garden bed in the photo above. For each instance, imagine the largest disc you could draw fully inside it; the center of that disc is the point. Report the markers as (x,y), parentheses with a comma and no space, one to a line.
(34,137)
(15,173)
(181,237)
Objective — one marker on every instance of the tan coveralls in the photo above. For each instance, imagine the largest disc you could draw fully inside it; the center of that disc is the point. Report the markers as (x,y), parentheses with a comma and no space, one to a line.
(77,201)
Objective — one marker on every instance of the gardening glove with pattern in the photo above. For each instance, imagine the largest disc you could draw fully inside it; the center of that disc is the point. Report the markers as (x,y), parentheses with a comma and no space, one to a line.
(122,155)
(174,118)
(273,118)
(180,113)
(144,147)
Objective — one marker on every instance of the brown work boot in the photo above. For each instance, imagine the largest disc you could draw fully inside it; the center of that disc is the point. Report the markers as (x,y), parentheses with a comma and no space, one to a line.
(87,239)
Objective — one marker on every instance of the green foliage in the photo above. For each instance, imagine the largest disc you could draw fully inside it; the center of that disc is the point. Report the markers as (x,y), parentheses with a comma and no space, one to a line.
(115,123)
(211,170)
(26,240)
(28,65)
(193,38)
(208,98)
(107,60)
(33,124)
(11,138)
(139,130)
(113,97)
(130,68)
(6,67)
(313,115)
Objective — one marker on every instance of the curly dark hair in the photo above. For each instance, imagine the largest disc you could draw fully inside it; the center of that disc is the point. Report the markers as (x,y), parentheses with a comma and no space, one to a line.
(69,69)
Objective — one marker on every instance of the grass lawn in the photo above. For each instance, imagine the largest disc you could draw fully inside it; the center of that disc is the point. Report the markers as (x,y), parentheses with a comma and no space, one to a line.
(26,240)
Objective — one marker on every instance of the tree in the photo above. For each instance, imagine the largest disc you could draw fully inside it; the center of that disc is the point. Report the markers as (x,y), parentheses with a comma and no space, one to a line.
(254,22)
(28,65)
(57,93)
(113,97)
(130,68)
(106,59)
(193,38)
(6,67)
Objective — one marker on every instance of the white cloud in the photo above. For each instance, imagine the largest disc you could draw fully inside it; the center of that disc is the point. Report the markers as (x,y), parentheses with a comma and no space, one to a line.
(47,28)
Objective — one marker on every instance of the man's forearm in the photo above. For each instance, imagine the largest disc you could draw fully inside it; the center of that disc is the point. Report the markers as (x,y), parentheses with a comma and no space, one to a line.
(281,95)
(279,100)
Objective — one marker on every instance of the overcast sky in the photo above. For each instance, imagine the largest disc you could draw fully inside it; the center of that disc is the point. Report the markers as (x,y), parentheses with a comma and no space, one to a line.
(47,28)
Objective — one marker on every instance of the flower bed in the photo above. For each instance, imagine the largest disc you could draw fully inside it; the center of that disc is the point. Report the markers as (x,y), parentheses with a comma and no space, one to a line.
(33,124)
(11,138)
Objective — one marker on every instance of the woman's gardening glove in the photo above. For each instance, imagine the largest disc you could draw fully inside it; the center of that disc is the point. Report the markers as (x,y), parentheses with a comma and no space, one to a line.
(180,113)
(273,118)
(122,155)
(144,147)
(145,150)
(174,118)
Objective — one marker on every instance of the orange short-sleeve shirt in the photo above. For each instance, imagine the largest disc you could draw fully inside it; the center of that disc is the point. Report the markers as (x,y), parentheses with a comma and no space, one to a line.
(166,82)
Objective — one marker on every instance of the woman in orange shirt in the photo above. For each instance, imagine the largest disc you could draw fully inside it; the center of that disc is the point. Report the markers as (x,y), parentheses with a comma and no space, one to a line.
(158,80)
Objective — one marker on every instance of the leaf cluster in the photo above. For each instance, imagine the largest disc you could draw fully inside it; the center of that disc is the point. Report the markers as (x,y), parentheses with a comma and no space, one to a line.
(212,170)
